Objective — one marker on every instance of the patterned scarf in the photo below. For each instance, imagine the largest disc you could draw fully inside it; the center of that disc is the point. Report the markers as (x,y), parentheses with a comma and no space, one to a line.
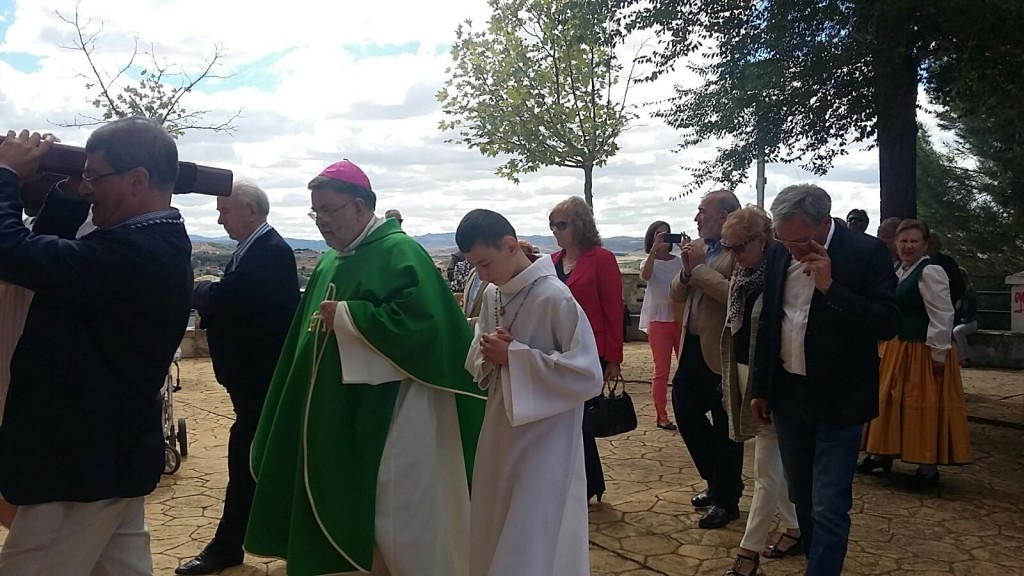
(745,281)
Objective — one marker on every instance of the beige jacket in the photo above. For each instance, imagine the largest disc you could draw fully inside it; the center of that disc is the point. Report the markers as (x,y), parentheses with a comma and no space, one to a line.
(713,281)
(737,389)
(472,309)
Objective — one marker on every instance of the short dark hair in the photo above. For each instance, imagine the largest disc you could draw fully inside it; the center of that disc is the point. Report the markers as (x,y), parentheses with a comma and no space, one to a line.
(860,214)
(649,236)
(356,191)
(482,226)
(137,142)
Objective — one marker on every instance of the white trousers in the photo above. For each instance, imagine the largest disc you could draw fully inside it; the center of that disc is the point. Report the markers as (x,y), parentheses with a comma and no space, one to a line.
(960,334)
(105,538)
(770,493)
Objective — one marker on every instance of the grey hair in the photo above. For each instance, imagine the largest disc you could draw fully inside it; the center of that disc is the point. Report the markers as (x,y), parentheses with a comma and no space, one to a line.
(249,193)
(805,200)
(727,201)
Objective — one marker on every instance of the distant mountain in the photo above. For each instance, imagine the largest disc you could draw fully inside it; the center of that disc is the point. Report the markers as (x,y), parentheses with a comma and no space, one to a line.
(441,244)
(437,243)
(295,243)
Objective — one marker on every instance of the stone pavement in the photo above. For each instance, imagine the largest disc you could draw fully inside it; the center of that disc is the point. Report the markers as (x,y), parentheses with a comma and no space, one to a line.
(972,526)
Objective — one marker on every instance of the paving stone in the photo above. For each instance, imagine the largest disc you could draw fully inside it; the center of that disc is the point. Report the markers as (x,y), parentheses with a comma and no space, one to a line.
(972,526)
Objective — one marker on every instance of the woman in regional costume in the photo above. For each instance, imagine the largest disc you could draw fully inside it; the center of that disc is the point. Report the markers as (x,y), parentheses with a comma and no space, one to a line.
(922,418)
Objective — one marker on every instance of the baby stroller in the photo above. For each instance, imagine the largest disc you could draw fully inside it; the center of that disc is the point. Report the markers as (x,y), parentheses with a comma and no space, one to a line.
(174,431)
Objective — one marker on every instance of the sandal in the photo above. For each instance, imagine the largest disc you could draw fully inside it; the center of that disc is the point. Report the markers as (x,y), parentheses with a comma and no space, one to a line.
(666,425)
(737,566)
(776,551)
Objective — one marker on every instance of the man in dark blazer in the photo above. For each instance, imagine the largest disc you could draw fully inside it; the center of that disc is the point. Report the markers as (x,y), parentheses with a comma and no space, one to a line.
(246,316)
(829,298)
(108,313)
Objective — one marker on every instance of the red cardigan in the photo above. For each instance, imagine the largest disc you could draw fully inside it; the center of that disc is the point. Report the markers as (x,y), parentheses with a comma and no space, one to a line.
(596,283)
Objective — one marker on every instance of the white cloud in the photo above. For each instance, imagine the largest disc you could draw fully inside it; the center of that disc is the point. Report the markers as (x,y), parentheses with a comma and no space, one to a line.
(357,80)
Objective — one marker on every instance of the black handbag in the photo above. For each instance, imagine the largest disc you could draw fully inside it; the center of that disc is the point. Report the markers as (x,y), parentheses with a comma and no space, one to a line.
(611,413)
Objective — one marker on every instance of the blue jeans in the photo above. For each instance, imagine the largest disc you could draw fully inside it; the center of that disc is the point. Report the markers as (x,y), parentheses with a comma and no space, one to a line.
(819,461)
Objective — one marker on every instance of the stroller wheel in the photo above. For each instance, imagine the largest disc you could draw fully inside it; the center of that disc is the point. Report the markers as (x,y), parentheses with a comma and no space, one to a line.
(172,460)
(182,437)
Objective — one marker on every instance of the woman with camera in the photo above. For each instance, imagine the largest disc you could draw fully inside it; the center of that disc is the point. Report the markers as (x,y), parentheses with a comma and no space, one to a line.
(659,316)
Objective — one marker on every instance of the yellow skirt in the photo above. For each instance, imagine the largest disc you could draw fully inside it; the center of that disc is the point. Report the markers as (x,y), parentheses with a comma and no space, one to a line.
(920,420)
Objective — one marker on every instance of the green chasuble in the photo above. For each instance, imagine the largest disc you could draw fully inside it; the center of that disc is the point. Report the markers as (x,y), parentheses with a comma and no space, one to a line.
(319,443)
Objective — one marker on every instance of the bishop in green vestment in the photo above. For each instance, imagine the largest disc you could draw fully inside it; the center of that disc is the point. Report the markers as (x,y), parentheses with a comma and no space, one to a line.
(366,443)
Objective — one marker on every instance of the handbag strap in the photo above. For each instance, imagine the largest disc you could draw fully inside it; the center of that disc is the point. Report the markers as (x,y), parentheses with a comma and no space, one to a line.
(610,386)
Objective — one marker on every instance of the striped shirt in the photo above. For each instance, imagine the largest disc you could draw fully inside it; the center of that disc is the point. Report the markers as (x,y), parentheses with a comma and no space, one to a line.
(240,251)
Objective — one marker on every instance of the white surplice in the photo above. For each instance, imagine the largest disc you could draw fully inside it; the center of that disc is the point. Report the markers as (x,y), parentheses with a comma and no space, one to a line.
(529,507)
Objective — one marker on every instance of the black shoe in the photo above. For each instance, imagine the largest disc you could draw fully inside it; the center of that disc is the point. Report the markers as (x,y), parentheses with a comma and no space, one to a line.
(717,517)
(206,564)
(871,465)
(919,481)
(796,548)
(702,500)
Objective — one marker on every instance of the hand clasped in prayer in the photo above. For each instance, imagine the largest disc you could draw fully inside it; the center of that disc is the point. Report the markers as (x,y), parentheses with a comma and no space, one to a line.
(495,346)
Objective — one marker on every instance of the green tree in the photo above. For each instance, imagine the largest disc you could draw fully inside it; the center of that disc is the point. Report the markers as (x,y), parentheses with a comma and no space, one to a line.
(801,79)
(974,75)
(984,236)
(536,86)
(158,93)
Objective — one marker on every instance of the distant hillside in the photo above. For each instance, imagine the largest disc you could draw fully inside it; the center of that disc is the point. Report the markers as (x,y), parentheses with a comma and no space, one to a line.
(295,243)
(442,244)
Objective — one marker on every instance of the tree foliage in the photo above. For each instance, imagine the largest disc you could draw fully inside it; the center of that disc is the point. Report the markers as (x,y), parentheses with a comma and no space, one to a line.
(801,79)
(985,237)
(158,93)
(974,75)
(537,85)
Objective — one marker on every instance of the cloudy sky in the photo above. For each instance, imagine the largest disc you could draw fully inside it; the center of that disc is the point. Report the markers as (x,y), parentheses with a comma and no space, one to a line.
(321,81)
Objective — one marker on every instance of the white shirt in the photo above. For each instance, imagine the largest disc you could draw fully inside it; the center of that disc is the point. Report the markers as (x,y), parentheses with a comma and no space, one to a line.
(657,306)
(934,288)
(796,305)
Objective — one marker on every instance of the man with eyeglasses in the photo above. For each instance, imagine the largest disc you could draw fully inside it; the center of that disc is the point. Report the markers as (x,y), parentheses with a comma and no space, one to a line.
(858,220)
(108,314)
(703,287)
(372,396)
(829,297)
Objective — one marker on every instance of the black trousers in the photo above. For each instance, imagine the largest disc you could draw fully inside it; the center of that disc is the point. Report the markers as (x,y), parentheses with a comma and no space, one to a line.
(592,461)
(227,542)
(695,392)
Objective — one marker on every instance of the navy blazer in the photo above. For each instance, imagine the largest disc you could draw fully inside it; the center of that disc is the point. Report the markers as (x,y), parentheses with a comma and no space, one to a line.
(844,328)
(83,417)
(247,314)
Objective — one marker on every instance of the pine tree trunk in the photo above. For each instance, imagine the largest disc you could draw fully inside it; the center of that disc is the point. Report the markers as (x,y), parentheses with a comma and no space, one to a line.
(588,184)
(895,95)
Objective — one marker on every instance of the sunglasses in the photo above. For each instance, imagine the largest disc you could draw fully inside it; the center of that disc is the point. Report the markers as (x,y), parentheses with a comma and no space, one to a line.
(736,248)
(856,219)
(560,225)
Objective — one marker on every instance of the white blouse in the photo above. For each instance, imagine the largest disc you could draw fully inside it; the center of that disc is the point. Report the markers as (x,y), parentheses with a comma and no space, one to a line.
(657,306)
(934,288)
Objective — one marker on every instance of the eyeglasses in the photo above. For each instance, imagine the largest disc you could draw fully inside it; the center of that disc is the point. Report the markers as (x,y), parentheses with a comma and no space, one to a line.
(560,225)
(857,219)
(91,180)
(328,214)
(797,243)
